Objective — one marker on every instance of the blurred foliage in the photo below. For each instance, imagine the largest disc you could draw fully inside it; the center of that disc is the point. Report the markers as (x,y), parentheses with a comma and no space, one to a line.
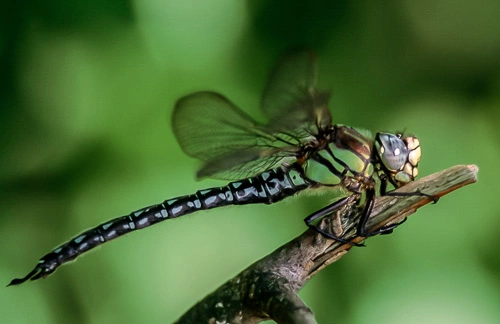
(87,92)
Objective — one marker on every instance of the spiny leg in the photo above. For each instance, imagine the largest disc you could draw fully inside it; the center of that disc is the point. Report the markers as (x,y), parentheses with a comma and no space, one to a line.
(369,207)
(370,201)
(384,192)
(389,228)
(326,211)
(412,194)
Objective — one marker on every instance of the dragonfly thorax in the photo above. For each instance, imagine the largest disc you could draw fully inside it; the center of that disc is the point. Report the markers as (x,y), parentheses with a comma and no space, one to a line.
(397,157)
(344,159)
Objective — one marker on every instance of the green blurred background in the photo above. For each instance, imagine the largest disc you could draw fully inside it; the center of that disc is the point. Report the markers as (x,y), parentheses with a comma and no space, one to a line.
(87,92)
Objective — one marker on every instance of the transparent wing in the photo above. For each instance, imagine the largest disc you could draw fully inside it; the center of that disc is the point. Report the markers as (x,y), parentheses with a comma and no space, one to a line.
(245,163)
(291,100)
(233,146)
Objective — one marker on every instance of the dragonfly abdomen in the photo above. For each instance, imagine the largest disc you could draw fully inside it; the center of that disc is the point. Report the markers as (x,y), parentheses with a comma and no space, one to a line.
(268,187)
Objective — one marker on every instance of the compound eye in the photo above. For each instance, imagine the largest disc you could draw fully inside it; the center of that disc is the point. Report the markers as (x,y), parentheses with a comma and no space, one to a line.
(392,151)
(413,145)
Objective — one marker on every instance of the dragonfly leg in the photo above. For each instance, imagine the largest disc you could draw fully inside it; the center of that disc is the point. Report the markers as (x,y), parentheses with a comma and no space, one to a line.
(326,211)
(389,228)
(385,230)
(411,194)
(384,192)
(370,200)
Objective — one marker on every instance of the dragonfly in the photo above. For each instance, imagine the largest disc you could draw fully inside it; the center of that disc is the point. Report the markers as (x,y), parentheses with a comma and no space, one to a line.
(298,149)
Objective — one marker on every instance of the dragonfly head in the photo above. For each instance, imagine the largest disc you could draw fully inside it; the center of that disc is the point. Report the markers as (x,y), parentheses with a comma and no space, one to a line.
(398,157)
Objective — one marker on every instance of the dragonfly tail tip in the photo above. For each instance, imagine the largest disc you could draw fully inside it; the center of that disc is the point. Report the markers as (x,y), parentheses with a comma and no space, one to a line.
(33,275)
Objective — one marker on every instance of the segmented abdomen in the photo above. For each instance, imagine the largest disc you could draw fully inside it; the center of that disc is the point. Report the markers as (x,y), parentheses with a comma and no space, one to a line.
(268,187)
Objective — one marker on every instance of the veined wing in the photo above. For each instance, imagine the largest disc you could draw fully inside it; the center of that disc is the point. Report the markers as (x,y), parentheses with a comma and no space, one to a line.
(291,100)
(233,146)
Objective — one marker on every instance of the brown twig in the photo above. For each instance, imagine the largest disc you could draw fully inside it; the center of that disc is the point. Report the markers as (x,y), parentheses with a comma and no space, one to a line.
(268,288)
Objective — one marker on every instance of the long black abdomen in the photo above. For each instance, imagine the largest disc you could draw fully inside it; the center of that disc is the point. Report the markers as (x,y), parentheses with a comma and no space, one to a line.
(268,187)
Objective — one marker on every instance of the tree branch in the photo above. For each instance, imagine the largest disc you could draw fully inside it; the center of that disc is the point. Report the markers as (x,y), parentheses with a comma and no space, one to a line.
(268,288)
